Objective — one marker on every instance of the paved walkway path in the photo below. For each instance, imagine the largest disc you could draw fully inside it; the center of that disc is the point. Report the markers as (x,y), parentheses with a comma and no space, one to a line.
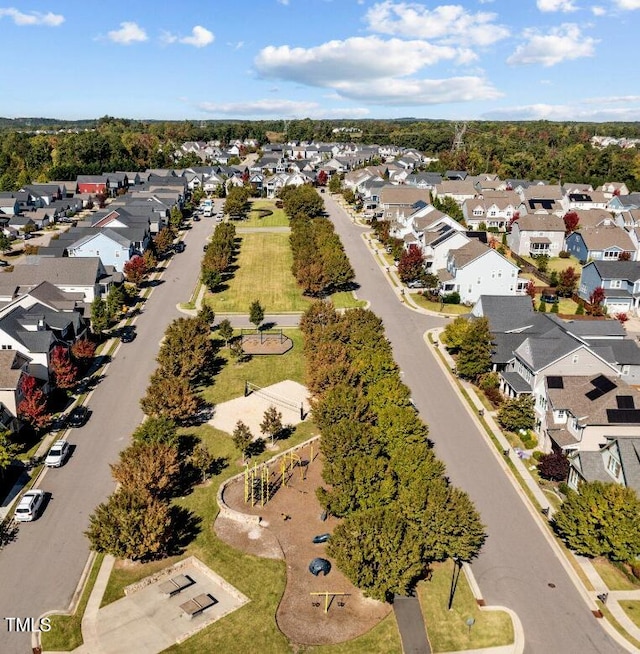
(411,625)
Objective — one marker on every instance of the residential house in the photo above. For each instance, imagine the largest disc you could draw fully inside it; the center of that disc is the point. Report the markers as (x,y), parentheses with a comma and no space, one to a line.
(493,209)
(537,234)
(475,269)
(9,203)
(586,200)
(612,189)
(601,243)
(399,200)
(92,184)
(620,281)
(457,189)
(14,366)
(543,199)
(114,246)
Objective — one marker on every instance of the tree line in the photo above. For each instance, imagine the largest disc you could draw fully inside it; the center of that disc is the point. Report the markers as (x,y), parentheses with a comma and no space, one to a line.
(399,512)
(219,255)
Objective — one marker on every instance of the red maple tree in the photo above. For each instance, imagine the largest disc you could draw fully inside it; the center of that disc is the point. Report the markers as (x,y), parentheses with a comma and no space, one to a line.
(571,220)
(83,351)
(322,178)
(33,407)
(135,269)
(65,373)
(595,300)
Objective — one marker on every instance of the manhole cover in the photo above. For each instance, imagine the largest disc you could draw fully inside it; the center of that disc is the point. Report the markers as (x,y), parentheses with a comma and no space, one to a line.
(551,585)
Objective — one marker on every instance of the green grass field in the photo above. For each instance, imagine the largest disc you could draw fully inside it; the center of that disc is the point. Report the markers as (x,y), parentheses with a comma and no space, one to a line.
(277,219)
(264,274)
(613,577)
(345,300)
(422,301)
(447,630)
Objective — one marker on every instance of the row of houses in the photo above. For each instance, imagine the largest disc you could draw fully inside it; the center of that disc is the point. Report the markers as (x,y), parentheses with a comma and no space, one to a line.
(583,377)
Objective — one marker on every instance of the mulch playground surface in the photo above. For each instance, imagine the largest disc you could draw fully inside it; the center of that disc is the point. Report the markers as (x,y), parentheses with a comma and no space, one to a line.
(290,520)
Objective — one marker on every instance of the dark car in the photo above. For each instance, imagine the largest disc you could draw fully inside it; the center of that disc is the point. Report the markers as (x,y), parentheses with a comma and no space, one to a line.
(204,247)
(127,335)
(196,218)
(321,538)
(78,416)
(179,247)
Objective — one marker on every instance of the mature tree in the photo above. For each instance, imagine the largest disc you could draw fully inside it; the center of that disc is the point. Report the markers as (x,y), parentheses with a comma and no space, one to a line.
(116,301)
(571,220)
(157,429)
(135,269)
(33,407)
(311,276)
(175,217)
(567,282)
(271,424)
(206,316)
(8,451)
(596,299)
(602,519)
(225,330)
(170,396)
(83,351)
(542,262)
(242,438)
(554,466)
(411,264)
(236,203)
(517,413)
(148,469)
(378,551)
(99,316)
(302,200)
(131,526)
(322,178)
(335,183)
(150,260)
(65,373)
(5,243)
(336,267)
(186,348)
(474,355)
(211,279)
(256,313)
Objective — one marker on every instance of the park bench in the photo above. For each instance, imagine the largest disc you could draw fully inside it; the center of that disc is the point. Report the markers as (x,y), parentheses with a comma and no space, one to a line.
(198,604)
(176,585)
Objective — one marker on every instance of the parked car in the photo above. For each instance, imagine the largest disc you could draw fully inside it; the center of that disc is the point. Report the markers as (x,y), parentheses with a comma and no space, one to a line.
(58,423)
(179,247)
(3,263)
(415,283)
(78,416)
(29,506)
(196,218)
(127,334)
(57,454)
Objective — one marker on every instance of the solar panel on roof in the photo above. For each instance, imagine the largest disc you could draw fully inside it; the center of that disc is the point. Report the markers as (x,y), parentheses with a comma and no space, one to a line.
(625,402)
(623,416)
(603,384)
(594,394)
(555,382)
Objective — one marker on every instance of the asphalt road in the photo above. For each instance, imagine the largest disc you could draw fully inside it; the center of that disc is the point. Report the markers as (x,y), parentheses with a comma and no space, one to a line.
(41,569)
(517,567)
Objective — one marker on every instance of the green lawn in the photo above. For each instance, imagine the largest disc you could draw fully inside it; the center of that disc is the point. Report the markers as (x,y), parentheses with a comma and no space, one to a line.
(632,609)
(346,300)
(558,264)
(263,273)
(422,301)
(382,639)
(613,578)
(261,370)
(277,219)
(447,630)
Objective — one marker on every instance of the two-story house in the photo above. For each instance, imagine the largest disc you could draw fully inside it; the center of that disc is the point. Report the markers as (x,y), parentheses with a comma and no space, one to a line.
(600,244)
(620,281)
(537,234)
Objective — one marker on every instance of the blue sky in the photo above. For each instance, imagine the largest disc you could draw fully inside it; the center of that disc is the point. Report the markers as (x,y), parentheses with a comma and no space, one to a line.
(260,59)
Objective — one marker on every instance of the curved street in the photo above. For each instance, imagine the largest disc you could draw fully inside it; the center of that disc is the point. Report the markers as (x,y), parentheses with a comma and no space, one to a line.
(517,567)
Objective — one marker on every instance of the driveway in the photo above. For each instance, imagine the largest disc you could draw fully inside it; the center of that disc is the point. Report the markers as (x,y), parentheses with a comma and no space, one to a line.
(518,568)
(41,569)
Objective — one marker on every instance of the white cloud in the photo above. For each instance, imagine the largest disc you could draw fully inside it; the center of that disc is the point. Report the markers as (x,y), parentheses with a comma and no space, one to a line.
(128,33)
(415,92)
(561,112)
(628,4)
(200,37)
(446,23)
(560,44)
(598,11)
(357,58)
(259,108)
(32,18)
(556,5)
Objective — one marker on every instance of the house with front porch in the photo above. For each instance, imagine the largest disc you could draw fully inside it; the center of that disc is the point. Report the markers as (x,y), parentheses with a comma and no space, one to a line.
(493,209)
(606,243)
(537,234)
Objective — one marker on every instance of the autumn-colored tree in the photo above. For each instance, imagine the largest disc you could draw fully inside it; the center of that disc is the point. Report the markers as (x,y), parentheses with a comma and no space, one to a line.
(83,351)
(621,317)
(571,220)
(624,256)
(65,373)
(531,290)
(148,469)
(411,264)
(163,242)
(171,397)
(33,407)
(150,260)
(567,282)
(135,269)
(322,178)
(595,300)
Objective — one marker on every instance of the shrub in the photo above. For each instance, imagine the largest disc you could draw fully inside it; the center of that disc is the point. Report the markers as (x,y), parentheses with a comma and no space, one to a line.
(494,396)
(537,455)
(542,307)
(580,310)
(635,569)
(554,466)
(451,298)
(555,307)
(529,440)
(489,380)
(563,487)
(564,254)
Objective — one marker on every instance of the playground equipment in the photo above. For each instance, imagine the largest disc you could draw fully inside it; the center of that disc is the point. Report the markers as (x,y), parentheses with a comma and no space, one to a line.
(275,398)
(327,602)
(319,565)
(256,484)
(288,462)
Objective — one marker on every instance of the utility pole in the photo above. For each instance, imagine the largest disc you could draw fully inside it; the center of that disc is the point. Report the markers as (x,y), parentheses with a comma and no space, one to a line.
(458,143)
